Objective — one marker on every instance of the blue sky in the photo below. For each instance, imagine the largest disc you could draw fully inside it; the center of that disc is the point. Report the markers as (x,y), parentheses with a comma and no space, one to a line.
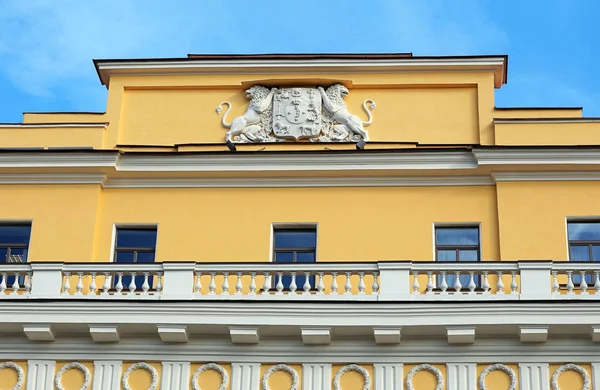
(47,46)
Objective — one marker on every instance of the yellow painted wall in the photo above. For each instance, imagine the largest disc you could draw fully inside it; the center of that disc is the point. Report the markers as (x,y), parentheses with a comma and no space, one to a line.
(51,136)
(281,380)
(547,133)
(425,380)
(73,378)
(533,216)
(8,376)
(210,380)
(141,379)
(352,380)
(497,380)
(570,380)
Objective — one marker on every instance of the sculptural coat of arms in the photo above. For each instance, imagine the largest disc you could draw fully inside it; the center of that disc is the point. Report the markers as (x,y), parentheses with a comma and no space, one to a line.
(292,114)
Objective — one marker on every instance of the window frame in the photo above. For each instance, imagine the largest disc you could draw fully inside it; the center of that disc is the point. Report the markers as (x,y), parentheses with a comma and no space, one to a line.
(131,226)
(588,243)
(437,248)
(10,246)
(312,227)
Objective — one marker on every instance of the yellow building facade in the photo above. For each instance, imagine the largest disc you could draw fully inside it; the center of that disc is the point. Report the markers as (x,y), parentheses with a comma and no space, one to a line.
(288,222)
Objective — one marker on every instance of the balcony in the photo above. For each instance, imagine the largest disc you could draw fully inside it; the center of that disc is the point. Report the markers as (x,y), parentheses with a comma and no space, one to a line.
(374,281)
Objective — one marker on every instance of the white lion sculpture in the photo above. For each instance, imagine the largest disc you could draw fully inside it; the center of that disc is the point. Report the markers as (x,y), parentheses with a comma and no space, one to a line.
(252,123)
(333,102)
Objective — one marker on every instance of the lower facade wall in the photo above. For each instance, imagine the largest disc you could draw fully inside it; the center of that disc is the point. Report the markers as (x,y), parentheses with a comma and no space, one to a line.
(180,375)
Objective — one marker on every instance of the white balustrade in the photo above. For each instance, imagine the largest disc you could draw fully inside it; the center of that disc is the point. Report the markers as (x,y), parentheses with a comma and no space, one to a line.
(15,280)
(572,280)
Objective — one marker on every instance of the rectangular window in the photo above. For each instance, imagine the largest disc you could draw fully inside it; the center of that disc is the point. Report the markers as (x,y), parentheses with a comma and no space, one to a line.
(14,244)
(295,246)
(459,243)
(135,245)
(584,244)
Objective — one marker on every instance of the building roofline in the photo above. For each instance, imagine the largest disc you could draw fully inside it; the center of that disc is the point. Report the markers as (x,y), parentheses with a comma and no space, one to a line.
(536,108)
(261,63)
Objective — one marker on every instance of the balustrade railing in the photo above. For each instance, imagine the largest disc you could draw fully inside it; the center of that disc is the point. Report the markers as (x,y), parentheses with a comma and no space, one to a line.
(383,281)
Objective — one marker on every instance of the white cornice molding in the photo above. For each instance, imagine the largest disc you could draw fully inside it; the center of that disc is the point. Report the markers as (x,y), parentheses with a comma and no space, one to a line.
(546,176)
(279,162)
(287,181)
(109,68)
(51,125)
(52,178)
(528,156)
(549,121)
(58,159)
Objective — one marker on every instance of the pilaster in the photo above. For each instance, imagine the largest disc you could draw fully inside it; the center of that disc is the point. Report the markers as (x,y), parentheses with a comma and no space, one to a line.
(107,374)
(461,376)
(40,374)
(534,376)
(388,376)
(175,376)
(316,376)
(245,376)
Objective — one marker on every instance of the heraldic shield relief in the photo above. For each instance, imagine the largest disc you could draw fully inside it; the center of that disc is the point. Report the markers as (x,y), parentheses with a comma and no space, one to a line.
(292,114)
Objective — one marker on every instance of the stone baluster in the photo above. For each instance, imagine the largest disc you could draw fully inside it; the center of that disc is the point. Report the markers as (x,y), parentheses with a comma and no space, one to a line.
(443,283)
(279,285)
(583,285)
(252,283)
(471,286)
(159,285)
(293,285)
(225,285)
(93,287)
(198,284)
(375,286)
(212,286)
(570,285)
(119,285)
(267,284)
(145,284)
(238,284)
(486,283)
(513,283)
(321,285)
(132,286)
(597,283)
(415,286)
(306,286)
(361,283)
(555,285)
(79,285)
(430,285)
(499,284)
(106,284)
(457,285)
(28,283)
(334,284)
(16,286)
(348,284)
(3,282)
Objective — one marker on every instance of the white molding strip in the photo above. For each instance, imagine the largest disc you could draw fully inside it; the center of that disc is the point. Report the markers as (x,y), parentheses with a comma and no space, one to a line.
(536,156)
(58,159)
(461,376)
(175,375)
(544,121)
(546,176)
(107,374)
(595,376)
(245,376)
(40,374)
(51,178)
(287,181)
(52,125)
(316,376)
(389,376)
(534,376)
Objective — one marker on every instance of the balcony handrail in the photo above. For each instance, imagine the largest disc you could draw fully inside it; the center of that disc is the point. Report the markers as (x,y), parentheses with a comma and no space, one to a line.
(286,267)
(437,266)
(112,267)
(15,267)
(575,266)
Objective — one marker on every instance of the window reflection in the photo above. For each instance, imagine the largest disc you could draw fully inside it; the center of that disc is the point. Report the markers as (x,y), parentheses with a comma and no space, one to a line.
(295,246)
(457,244)
(584,245)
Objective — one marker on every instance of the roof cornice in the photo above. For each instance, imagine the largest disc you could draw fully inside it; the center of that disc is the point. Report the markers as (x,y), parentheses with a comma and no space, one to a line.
(107,68)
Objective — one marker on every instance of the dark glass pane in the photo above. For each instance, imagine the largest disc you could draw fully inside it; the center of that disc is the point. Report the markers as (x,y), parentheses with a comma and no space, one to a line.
(145,257)
(284,257)
(15,234)
(457,236)
(3,253)
(136,238)
(305,257)
(468,255)
(596,253)
(124,257)
(295,239)
(580,253)
(446,255)
(583,231)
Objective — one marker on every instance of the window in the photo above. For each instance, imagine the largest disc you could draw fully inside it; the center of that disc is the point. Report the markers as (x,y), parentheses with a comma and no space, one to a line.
(584,244)
(295,246)
(14,243)
(457,244)
(135,245)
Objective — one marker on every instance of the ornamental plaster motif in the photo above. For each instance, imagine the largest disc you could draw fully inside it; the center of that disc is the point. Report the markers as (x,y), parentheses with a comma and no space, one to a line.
(207,367)
(20,374)
(280,367)
(291,114)
(352,367)
(143,366)
(87,377)
(498,367)
(571,367)
(425,367)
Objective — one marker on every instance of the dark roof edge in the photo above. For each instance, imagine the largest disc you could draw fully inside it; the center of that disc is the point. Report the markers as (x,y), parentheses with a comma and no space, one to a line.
(537,108)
